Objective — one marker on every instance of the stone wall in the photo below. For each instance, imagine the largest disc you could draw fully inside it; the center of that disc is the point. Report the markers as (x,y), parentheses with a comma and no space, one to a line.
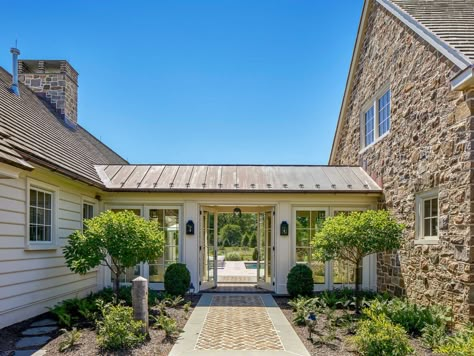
(56,81)
(428,146)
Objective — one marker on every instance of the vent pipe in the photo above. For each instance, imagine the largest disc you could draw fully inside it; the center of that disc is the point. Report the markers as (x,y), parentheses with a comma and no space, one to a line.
(15,53)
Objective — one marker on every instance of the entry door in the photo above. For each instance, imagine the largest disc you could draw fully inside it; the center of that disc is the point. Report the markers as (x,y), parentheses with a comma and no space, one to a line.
(265,244)
(208,252)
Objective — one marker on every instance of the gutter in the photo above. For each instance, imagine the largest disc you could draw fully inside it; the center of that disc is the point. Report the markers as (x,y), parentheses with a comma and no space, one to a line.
(464,79)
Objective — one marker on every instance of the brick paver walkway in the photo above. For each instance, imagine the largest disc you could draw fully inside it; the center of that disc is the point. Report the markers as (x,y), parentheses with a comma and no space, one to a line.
(238,323)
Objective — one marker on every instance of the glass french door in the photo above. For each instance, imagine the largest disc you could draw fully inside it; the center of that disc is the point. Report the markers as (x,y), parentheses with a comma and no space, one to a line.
(208,250)
(265,243)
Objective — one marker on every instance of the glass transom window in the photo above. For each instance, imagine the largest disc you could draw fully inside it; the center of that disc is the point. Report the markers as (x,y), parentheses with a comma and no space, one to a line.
(41,219)
(307,223)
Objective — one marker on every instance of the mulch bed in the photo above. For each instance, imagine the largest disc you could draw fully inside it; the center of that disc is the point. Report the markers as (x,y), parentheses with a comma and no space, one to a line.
(340,345)
(87,345)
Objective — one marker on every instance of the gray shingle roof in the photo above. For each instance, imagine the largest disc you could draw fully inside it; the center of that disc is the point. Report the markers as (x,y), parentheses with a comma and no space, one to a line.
(451,20)
(35,132)
(236,178)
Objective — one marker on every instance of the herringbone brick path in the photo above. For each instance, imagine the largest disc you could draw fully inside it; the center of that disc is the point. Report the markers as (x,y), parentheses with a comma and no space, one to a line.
(238,323)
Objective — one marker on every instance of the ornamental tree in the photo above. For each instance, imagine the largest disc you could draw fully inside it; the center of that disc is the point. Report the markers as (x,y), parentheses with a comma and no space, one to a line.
(117,240)
(351,237)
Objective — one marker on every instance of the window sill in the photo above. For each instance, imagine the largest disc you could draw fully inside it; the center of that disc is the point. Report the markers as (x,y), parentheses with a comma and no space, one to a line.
(41,248)
(427,242)
(377,140)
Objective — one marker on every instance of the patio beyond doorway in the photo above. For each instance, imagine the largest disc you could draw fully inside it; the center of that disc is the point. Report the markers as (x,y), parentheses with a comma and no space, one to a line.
(236,248)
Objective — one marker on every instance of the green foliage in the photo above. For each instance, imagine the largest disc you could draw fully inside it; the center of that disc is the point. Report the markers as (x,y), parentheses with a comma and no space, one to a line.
(233,256)
(253,240)
(358,234)
(70,339)
(300,281)
(177,279)
(413,318)
(128,239)
(118,329)
(187,307)
(124,295)
(353,236)
(302,306)
(433,336)
(168,325)
(255,254)
(459,344)
(378,336)
(245,240)
(231,235)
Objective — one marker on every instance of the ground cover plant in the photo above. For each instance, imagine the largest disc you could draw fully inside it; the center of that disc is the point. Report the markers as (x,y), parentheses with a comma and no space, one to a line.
(328,325)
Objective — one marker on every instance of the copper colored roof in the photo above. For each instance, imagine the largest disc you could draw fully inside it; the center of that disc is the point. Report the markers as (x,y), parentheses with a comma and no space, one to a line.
(236,178)
(33,132)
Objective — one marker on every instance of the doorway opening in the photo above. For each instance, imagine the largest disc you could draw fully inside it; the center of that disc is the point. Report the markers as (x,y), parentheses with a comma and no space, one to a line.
(237,248)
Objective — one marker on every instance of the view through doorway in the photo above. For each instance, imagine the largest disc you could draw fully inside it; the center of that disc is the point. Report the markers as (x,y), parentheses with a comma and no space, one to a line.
(236,247)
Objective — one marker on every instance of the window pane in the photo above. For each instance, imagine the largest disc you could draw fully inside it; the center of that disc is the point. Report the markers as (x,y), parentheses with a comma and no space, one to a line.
(426,231)
(384,113)
(47,217)
(171,218)
(434,227)
(47,233)
(157,273)
(302,255)
(33,231)
(343,272)
(317,217)
(40,216)
(302,237)
(33,213)
(369,126)
(33,197)
(302,219)
(427,208)
(434,207)
(47,200)
(41,199)
(318,269)
(40,234)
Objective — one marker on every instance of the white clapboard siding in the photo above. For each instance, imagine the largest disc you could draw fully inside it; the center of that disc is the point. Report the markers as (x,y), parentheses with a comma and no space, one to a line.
(32,280)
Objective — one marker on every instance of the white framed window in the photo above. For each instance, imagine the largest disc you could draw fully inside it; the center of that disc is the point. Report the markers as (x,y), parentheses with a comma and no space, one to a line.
(427,216)
(41,214)
(88,211)
(375,118)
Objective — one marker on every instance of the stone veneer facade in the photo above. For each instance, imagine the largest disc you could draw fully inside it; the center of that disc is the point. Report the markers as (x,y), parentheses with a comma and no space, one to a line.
(55,80)
(429,146)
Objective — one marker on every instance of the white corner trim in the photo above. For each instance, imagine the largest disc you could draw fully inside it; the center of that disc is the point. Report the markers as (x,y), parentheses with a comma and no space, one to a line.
(448,51)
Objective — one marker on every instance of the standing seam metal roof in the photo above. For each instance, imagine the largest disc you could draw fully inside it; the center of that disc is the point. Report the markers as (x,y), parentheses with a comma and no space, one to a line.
(236,178)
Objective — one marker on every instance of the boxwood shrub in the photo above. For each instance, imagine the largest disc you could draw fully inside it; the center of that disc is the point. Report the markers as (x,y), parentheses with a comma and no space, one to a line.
(300,281)
(177,279)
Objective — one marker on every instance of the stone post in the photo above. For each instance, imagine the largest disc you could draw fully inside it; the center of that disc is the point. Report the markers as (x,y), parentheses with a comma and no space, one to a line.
(140,301)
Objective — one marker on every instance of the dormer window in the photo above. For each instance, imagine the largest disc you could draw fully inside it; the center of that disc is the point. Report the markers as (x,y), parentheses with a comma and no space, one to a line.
(375,121)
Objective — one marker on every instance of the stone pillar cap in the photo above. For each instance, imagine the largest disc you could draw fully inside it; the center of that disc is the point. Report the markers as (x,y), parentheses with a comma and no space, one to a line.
(139,279)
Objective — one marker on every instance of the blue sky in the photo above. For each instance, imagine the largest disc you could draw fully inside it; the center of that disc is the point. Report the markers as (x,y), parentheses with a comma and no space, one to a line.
(198,81)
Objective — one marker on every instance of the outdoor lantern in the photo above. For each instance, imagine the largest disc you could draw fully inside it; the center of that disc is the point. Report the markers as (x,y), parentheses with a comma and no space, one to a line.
(191,288)
(190,228)
(284,228)
(237,212)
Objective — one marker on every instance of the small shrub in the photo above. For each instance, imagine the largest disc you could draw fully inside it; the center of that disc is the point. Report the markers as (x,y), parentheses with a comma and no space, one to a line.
(177,279)
(118,329)
(187,307)
(233,256)
(168,325)
(124,295)
(70,339)
(378,336)
(176,301)
(62,315)
(413,318)
(433,336)
(459,344)
(302,307)
(255,254)
(300,281)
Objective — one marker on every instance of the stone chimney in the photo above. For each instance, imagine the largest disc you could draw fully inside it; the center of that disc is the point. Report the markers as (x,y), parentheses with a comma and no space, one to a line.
(55,81)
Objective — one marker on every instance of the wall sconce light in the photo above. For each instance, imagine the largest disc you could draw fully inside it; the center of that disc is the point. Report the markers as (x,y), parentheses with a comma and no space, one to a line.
(190,228)
(284,228)
(237,212)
